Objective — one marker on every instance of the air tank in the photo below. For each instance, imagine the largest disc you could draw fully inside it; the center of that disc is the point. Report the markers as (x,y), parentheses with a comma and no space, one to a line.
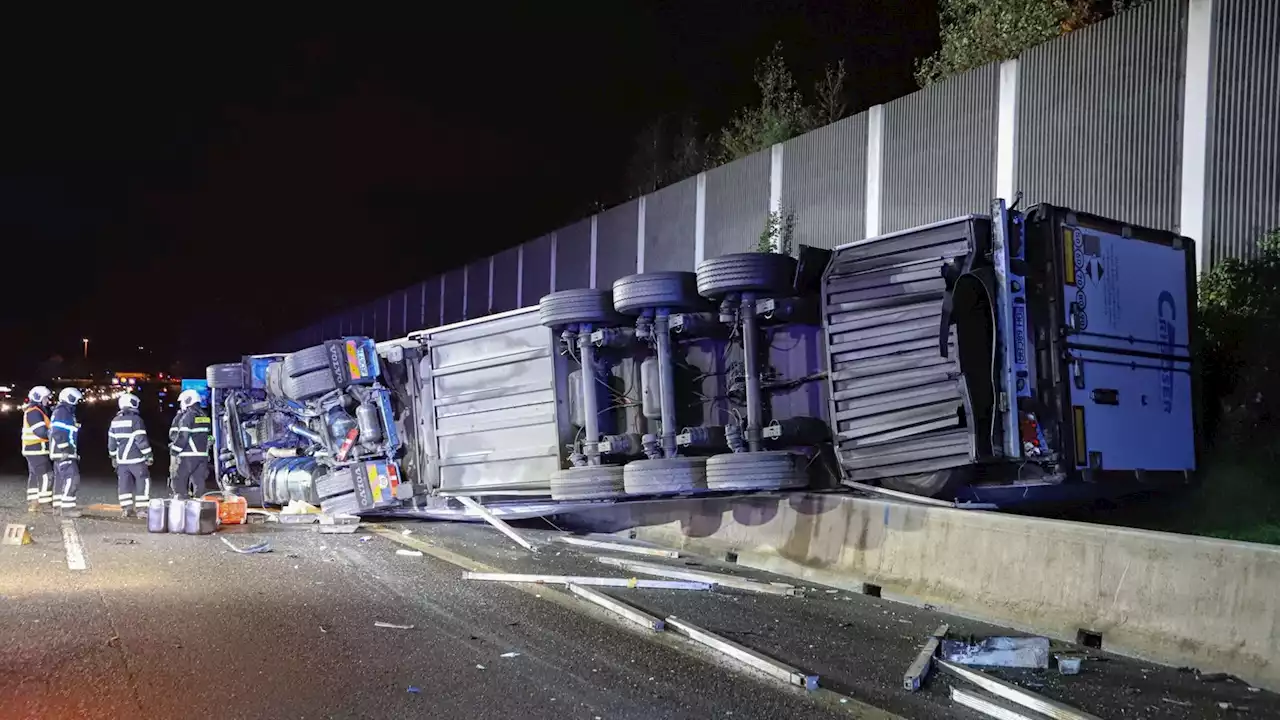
(369,423)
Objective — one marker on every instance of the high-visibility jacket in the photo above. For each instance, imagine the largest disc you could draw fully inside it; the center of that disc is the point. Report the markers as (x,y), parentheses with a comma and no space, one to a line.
(127,439)
(35,430)
(189,434)
(64,432)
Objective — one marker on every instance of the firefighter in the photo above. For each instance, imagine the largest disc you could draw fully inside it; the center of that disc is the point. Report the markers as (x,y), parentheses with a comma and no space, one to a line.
(64,434)
(130,455)
(189,445)
(35,448)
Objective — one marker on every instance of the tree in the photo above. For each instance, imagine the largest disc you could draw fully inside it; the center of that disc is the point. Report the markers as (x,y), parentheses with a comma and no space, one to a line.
(780,115)
(662,156)
(829,92)
(977,32)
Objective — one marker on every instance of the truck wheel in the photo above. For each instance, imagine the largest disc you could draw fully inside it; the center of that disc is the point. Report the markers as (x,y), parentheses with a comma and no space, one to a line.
(665,476)
(768,470)
(302,362)
(311,385)
(576,307)
(765,274)
(225,375)
(593,482)
(673,290)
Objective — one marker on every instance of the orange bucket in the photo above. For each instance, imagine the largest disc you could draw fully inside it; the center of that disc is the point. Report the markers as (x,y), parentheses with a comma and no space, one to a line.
(231,508)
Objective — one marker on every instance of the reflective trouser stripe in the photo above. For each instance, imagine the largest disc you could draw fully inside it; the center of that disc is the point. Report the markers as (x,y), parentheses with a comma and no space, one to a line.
(68,501)
(33,493)
(126,500)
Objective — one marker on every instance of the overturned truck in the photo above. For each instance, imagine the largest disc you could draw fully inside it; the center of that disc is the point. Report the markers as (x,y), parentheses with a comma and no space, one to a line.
(1009,358)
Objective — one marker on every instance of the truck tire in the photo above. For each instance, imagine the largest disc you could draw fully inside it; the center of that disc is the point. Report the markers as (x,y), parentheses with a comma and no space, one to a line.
(673,290)
(311,385)
(764,274)
(592,482)
(297,364)
(226,375)
(768,470)
(665,476)
(577,307)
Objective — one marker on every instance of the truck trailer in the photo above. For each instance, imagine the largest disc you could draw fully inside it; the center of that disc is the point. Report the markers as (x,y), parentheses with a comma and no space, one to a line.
(1015,357)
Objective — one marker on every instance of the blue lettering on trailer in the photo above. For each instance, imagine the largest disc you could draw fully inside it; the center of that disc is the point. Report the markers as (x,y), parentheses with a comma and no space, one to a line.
(1168,334)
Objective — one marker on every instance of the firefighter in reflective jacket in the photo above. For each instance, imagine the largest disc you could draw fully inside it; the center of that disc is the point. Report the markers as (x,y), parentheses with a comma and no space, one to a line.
(64,434)
(130,455)
(35,448)
(189,444)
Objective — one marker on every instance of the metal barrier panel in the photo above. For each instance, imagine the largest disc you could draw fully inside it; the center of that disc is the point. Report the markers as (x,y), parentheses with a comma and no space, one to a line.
(535,277)
(824,183)
(573,256)
(451,297)
(940,151)
(737,205)
(1242,197)
(506,279)
(1099,118)
(616,243)
(494,385)
(477,289)
(669,217)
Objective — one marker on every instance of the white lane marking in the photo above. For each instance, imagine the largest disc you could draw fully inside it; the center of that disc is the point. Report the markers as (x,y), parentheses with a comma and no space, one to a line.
(75,550)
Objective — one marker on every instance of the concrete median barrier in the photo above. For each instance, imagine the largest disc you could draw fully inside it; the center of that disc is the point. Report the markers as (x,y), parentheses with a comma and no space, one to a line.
(1174,599)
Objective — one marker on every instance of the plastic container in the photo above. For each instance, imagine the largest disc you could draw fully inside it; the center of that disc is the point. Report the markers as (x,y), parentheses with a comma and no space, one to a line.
(232,509)
(201,517)
(176,510)
(157,515)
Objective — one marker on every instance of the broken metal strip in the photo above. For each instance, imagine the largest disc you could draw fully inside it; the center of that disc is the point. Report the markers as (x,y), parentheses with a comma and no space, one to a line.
(763,663)
(584,580)
(1008,691)
(920,499)
(920,667)
(990,706)
(620,547)
(700,576)
(618,607)
(502,527)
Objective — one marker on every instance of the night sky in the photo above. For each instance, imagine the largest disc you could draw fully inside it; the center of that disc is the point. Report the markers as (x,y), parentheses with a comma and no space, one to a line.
(184,189)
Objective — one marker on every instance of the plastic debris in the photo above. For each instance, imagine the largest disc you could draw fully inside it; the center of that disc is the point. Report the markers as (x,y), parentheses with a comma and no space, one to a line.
(414,689)
(392,626)
(1019,652)
(1069,664)
(510,654)
(262,547)
(479,666)
(365,538)
(406,532)
(1179,703)
(409,553)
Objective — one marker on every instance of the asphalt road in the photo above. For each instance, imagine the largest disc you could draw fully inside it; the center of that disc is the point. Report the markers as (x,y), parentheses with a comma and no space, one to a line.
(179,626)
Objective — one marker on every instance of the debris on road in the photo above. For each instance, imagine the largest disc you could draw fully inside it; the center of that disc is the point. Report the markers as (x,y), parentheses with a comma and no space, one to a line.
(619,608)
(1009,691)
(409,553)
(120,541)
(686,573)
(414,689)
(1069,664)
(16,534)
(340,523)
(496,522)
(990,706)
(741,653)
(919,669)
(619,547)
(510,654)
(262,547)
(999,651)
(583,580)
(391,626)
